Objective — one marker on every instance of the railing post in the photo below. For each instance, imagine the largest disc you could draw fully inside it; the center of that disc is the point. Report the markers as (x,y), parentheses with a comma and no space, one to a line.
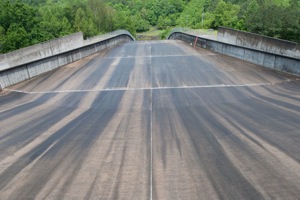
(196,40)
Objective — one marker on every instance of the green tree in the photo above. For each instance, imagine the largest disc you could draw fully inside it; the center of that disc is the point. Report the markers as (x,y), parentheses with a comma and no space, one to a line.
(36,21)
(2,39)
(251,18)
(17,21)
(122,20)
(140,24)
(192,14)
(226,14)
(164,23)
(17,13)
(54,23)
(100,14)
(209,19)
(84,23)
(273,20)
(16,37)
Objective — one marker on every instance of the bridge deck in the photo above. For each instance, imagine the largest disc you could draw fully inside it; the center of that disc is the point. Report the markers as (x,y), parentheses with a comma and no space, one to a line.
(152,120)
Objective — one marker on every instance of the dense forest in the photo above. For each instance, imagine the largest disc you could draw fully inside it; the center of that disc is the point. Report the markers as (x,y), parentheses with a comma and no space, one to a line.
(28,22)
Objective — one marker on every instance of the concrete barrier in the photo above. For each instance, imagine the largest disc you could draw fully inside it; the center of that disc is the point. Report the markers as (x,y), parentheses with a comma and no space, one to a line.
(270,60)
(40,51)
(259,42)
(11,75)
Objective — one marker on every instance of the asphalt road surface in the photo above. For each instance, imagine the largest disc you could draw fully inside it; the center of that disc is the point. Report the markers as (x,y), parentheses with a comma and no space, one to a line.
(152,120)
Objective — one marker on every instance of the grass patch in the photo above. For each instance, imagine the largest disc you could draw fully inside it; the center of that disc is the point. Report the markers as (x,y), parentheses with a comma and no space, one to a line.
(155,34)
(152,34)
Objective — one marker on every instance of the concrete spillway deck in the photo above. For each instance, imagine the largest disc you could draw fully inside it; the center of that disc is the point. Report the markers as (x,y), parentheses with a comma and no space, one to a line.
(152,120)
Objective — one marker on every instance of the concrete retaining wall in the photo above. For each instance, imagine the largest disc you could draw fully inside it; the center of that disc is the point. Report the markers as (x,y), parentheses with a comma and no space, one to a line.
(266,59)
(40,51)
(19,73)
(259,42)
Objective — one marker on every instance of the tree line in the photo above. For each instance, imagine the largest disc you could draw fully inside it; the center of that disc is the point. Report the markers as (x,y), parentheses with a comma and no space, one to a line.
(28,22)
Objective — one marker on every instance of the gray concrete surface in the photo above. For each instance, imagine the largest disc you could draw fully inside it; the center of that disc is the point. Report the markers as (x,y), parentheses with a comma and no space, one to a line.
(152,120)
(259,42)
(266,59)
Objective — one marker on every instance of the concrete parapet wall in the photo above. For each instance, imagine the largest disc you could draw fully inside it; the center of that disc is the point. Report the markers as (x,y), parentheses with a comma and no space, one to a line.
(40,51)
(259,42)
(98,38)
(51,48)
(270,60)
(19,73)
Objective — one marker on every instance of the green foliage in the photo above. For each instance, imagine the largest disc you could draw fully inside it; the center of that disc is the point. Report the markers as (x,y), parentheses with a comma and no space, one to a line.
(165,34)
(140,24)
(165,23)
(17,37)
(192,14)
(2,37)
(53,22)
(122,20)
(150,16)
(100,14)
(16,22)
(273,20)
(27,22)
(84,23)
(226,14)
(18,13)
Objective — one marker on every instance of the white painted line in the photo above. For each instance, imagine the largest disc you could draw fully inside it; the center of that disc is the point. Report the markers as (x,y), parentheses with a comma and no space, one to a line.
(159,56)
(151,131)
(151,147)
(154,88)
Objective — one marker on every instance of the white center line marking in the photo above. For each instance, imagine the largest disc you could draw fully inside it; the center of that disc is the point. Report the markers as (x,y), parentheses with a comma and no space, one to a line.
(150,88)
(151,147)
(151,130)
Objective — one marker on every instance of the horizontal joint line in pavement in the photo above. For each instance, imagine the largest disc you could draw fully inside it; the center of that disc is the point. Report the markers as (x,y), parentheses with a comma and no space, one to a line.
(154,88)
(158,56)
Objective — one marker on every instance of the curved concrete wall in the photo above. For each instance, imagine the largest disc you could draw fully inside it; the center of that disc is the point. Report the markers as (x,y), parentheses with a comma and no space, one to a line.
(266,59)
(259,42)
(40,51)
(19,73)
